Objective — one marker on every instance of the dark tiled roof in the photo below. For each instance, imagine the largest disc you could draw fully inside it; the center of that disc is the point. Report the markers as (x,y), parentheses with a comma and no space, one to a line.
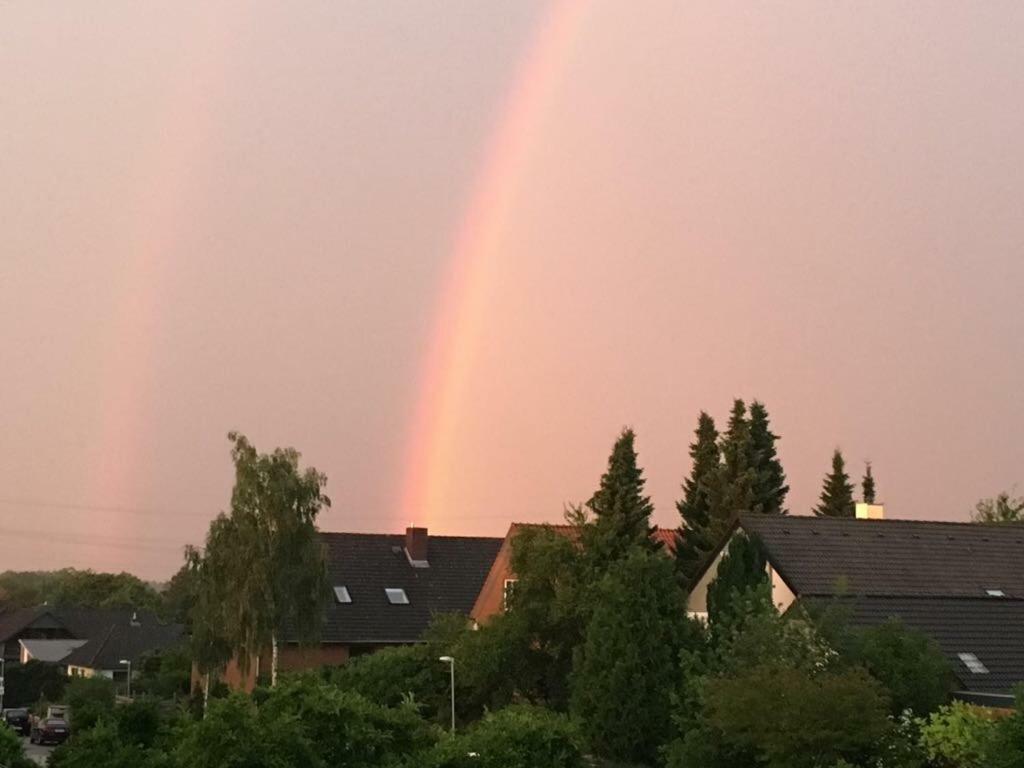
(820,556)
(367,564)
(14,620)
(990,628)
(126,640)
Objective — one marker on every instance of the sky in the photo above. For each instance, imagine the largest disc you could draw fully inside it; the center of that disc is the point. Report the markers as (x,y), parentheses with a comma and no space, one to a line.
(449,250)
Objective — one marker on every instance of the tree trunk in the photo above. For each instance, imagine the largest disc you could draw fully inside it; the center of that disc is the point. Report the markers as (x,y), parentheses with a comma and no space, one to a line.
(206,693)
(273,660)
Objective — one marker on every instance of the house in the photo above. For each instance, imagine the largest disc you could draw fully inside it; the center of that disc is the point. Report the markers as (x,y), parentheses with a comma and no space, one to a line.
(962,584)
(109,652)
(385,590)
(500,579)
(84,640)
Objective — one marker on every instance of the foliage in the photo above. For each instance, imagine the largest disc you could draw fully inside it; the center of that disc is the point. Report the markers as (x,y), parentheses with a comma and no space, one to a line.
(743,567)
(90,699)
(1006,750)
(770,489)
(836,492)
(623,681)
(393,675)
(622,513)
(28,683)
(234,735)
(732,489)
(908,663)
(79,588)
(697,537)
(516,737)
(957,736)
(344,729)
(868,485)
(784,717)
(12,753)
(179,594)
(263,567)
(165,675)
(1003,508)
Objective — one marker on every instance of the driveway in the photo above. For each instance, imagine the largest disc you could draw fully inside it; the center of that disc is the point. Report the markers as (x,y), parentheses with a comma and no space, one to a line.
(38,753)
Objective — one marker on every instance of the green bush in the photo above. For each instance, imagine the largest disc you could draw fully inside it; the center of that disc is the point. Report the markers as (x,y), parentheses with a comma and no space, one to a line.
(27,684)
(89,698)
(12,754)
(344,729)
(103,746)
(517,737)
(957,736)
(1006,748)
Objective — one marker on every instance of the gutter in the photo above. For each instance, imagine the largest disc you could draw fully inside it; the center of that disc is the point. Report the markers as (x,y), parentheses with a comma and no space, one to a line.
(994,700)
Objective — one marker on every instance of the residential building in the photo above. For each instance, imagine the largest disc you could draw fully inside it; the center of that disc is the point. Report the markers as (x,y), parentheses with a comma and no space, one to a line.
(961,584)
(385,590)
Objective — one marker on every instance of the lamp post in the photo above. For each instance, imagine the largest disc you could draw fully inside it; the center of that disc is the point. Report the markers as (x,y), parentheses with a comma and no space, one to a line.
(128,662)
(451,665)
(2,662)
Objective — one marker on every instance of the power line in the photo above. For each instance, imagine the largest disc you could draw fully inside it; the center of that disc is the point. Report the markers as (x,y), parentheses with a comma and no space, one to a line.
(142,511)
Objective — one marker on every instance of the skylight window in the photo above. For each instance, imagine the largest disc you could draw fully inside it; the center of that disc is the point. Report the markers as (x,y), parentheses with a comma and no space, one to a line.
(396,596)
(973,663)
(342,596)
(995,593)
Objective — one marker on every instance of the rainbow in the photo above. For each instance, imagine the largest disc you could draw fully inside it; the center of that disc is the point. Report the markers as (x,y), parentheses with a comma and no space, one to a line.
(460,310)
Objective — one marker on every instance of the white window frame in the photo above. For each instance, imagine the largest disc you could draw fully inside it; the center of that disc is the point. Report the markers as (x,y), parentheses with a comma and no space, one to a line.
(396,596)
(342,596)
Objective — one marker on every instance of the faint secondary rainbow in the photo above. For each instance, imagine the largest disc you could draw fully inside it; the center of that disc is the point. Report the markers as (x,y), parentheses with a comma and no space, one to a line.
(461,310)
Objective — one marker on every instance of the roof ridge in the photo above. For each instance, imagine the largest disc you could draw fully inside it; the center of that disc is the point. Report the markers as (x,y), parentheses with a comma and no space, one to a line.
(884,521)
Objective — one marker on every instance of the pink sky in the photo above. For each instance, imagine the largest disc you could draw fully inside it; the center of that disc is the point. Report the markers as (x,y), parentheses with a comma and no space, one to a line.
(245,215)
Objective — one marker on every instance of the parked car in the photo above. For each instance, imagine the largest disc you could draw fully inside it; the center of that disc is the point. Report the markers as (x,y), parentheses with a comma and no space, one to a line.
(18,720)
(49,730)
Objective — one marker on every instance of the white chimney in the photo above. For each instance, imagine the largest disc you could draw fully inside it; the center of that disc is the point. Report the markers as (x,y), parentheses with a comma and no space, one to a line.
(870,511)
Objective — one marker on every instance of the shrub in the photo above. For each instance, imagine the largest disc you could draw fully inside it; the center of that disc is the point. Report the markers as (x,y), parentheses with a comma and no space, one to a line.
(102,746)
(12,754)
(516,737)
(957,736)
(1006,748)
(90,698)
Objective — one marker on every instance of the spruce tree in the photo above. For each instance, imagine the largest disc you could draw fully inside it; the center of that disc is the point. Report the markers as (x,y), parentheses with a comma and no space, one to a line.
(695,536)
(770,487)
(868,485)
(732,489)
(837,492)
(622,513)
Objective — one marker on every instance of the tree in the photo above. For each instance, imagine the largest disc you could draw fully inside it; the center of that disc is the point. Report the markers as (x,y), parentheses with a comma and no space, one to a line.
(622,681)
(742,568)
(71,587)
(266,565)
(12,753)
(909,664)
(732,488)
(90,699)
(1001,509)
(770,489)
(837,492)
(622,513)
(868,485)
(696,537)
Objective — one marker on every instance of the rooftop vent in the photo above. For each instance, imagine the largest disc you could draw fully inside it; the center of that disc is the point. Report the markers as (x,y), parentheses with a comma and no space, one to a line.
(416,544)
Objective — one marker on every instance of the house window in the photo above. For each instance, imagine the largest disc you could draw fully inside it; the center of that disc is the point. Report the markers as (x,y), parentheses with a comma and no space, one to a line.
(507,593)
(342,596)
(995,593)
(396,596)
(973,663)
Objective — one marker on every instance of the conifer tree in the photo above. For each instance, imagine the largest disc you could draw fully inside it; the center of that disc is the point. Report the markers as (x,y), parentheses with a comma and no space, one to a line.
(837,492)
(622,513)
(732,488)
(770,487)
(695,539)
(868,485)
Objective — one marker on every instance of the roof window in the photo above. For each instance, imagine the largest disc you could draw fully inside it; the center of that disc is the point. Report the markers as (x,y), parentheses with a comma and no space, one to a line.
(973,663)
(342,596)
(396,596)
(995,593)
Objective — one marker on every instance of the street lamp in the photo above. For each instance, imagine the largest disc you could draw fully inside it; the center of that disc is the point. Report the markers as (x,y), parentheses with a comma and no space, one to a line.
(1,681)
(128,662)
(451,665)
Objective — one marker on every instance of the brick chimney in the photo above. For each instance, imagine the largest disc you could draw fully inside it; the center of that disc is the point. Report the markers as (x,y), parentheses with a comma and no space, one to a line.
(416,547)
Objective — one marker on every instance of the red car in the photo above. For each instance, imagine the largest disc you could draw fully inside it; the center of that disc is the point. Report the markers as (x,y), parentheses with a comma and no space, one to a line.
(49,730)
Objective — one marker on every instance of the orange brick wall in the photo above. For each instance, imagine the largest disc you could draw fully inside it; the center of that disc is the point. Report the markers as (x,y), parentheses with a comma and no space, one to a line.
(291,658)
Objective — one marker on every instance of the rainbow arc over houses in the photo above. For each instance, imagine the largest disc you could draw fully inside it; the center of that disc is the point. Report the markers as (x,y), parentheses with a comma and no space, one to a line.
(453,342)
